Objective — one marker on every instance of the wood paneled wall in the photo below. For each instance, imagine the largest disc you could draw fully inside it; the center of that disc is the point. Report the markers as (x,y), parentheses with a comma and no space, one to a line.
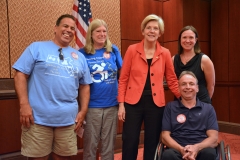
(175,13)
(132,14)
(10,127)
(218,24)
(180,13)
(225,37)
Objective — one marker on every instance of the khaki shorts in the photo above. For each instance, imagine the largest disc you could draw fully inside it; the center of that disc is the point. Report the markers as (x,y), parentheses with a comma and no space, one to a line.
(40,141)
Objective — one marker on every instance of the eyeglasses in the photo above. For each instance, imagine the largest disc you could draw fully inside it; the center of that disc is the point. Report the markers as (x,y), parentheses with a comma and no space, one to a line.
(155,29)
(60,54)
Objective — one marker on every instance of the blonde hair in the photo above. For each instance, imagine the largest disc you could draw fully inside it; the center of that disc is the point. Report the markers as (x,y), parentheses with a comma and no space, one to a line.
(89,46)
(153,17)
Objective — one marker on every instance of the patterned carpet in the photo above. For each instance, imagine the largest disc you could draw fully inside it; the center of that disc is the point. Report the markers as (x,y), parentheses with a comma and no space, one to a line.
(234,142)
(229,139)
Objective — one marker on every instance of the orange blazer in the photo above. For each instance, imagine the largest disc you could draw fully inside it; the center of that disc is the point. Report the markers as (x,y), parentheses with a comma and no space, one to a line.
(134,74)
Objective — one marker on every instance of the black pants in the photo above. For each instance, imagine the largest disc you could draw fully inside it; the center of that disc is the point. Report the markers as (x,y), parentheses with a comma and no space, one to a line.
(144,111)
(204,154)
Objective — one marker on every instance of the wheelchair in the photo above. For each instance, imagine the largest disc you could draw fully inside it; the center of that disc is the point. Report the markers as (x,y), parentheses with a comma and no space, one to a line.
(223,153)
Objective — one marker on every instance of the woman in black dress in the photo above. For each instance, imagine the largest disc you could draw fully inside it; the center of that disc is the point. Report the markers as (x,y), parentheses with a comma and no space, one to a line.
(191,58)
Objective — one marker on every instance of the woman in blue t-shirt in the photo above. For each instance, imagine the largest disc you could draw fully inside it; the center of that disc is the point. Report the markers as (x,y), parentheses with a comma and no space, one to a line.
(104,61)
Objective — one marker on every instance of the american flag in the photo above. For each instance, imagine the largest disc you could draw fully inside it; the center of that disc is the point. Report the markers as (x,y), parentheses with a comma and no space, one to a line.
(83,15)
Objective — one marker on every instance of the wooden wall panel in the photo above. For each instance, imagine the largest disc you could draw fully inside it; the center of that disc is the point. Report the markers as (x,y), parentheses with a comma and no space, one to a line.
(120,126)
(172,46)
(10,127)
(220,102)
(234,39)
(219,38)
(205,47)
(234,94)
(168,96)
(218,27)
(79,142)
(173,19)
(125,45)
(197,14)
(132,14)
(225,50)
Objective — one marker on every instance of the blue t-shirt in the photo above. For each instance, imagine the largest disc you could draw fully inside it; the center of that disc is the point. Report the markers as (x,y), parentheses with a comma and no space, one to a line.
(189,126)
(53,83)
(103,68)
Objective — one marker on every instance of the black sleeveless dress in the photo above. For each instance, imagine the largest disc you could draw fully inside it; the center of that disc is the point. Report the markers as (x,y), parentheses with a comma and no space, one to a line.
(194,65)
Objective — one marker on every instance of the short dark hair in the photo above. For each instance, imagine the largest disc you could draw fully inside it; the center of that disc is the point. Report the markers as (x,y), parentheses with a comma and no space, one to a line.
(64,16)
(196,46)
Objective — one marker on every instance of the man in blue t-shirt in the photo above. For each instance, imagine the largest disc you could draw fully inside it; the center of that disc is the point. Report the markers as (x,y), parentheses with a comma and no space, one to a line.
(49,76)
(189,126)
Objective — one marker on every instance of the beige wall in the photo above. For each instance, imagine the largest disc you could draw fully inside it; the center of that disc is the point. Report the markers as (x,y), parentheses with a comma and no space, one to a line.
(33,20)
(109,11)
(4,42)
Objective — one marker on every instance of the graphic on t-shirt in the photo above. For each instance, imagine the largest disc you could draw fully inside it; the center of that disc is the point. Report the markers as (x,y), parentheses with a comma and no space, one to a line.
(99,70)
(112,73)
(102,70)
(56,67)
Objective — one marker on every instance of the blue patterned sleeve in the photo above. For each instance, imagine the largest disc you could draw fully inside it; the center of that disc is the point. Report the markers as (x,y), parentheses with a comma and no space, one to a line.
(118,56)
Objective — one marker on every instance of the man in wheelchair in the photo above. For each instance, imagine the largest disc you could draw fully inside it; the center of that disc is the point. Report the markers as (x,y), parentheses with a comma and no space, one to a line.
(189,126)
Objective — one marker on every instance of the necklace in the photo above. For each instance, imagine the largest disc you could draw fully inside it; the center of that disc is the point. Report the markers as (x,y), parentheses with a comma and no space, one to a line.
(186,59)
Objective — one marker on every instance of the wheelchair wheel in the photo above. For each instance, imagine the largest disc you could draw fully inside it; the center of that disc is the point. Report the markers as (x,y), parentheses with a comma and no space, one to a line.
(228,152)
(222,151)
(158,152)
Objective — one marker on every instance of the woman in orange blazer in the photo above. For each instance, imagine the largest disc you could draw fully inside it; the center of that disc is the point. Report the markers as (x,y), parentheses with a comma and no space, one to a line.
(141,92)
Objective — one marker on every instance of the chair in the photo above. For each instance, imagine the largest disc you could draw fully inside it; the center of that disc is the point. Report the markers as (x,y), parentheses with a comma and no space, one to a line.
(223,152)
